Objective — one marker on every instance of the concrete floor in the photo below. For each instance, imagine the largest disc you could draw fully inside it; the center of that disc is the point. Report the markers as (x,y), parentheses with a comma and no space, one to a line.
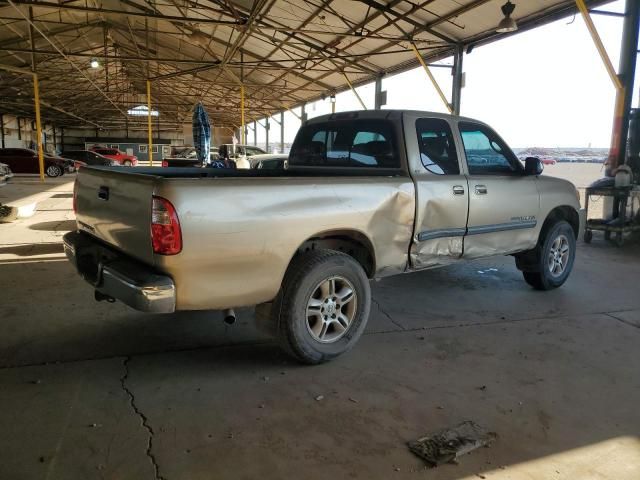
(100,391)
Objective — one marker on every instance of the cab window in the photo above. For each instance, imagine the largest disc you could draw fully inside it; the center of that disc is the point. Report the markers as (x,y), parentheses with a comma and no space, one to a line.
(437,148)
(486,152)
(351,144)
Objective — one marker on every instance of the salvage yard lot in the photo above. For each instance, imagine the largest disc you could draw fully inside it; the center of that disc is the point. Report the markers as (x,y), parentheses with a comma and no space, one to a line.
(96,390)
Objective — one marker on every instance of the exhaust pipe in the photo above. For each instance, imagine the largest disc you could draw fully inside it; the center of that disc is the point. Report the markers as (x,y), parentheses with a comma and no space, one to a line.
(229,316)
(100,297)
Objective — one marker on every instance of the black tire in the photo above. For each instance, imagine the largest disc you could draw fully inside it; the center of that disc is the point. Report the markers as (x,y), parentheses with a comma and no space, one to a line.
(305,277)
(54,171)
(127,163)
(546,273)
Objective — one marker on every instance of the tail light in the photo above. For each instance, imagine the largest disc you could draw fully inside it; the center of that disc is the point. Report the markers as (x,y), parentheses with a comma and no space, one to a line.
(165,163)
(75,196)
(166,235)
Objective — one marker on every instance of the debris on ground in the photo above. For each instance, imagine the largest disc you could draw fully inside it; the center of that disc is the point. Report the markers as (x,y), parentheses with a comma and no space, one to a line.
(353,400)
(319,398)
(445,446)
(483,387)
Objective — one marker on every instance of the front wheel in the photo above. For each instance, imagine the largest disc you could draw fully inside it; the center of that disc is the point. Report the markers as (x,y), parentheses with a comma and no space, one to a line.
(54,171)
(554,258)
(126,163)
(323,306)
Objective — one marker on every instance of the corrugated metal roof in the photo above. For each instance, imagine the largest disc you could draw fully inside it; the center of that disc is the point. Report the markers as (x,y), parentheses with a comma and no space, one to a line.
(284,51)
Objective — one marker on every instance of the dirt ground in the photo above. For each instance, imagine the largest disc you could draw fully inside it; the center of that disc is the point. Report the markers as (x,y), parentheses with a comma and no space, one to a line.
(99,391)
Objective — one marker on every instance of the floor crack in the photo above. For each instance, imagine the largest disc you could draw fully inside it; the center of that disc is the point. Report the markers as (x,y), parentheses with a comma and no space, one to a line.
(397,324)
(143,418)
(631,324)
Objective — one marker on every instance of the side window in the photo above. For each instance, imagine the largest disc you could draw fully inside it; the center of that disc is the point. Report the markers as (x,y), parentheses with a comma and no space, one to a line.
(486,153)
(437,148)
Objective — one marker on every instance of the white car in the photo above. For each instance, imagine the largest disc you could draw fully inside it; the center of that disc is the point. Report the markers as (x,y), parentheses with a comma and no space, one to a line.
(5,174)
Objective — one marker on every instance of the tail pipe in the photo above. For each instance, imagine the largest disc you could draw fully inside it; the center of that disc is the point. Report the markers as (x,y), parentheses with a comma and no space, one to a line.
(229,316)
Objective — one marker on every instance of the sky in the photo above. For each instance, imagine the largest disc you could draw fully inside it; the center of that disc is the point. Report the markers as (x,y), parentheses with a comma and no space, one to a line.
(546,87)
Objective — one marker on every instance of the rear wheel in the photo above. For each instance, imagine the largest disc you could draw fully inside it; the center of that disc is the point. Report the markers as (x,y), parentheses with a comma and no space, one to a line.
(323,306)
(554,258)
(127,163)
(54,171)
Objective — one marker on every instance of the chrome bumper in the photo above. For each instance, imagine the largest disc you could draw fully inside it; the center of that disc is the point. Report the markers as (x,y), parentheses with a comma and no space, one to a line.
(116,275)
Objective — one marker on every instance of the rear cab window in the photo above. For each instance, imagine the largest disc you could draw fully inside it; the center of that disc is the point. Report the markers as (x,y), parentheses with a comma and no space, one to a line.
(363,143)
(486,152)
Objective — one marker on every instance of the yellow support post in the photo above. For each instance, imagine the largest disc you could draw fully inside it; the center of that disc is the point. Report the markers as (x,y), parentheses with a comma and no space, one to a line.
(432,78)
(364,107)
(243,142)
(36,96)
(150,146)
(599,45)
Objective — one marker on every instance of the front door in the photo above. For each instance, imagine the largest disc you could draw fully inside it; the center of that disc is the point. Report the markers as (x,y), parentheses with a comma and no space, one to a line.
(503,203)
(441,193)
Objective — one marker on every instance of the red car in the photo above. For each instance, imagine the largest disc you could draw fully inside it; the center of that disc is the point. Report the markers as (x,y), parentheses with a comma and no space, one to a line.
(117,155)
(25,160)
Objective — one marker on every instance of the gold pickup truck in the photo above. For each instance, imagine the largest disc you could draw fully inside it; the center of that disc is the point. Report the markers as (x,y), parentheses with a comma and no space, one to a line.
(364,195)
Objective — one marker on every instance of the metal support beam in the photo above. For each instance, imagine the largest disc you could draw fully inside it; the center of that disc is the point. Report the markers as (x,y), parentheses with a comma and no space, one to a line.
(598,43)
(432,78)
(626,75)
(457,72)
(150,146)
(36,100)
(303,110)
(2,129)
(281,132)
(244,139)
(266,131)
(255,133)
(378,99)
(130,13)
(364,107)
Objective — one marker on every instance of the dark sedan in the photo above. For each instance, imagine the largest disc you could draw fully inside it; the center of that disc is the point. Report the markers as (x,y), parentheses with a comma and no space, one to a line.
(89,157)
(25,160)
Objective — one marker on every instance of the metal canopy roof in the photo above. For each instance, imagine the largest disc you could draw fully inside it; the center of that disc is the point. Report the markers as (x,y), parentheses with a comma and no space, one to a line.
(285,52)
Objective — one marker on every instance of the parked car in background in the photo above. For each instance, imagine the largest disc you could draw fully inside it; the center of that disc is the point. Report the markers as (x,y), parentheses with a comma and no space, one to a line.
(119,156)
(5,174)
(25,160)
(187,157)
(235,151)
(272,161)
(89,157)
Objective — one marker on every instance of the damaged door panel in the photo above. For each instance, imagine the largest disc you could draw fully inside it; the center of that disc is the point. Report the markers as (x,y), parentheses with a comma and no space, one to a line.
(441,193)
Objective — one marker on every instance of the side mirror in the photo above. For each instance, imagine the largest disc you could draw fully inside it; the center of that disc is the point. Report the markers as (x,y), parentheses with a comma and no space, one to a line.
(533,166)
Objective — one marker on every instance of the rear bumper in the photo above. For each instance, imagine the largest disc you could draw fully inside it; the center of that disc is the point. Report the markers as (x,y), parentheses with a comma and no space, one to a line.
(116,275)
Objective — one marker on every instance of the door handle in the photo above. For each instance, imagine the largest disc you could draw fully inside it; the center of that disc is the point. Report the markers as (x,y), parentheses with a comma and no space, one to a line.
(481,189)
(103,193)
(458,190)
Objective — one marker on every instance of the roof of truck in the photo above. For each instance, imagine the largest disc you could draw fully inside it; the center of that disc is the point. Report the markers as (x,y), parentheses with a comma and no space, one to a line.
(385,114)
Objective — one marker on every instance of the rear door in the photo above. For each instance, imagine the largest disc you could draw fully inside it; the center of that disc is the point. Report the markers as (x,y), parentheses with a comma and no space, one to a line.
(503,203)
(115,207)
(441,192)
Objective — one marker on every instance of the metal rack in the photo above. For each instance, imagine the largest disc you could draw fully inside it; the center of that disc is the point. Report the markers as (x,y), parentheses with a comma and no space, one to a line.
(622,222)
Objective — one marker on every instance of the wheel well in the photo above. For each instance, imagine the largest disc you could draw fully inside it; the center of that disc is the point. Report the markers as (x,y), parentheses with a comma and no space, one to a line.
(566,213)
(351,242)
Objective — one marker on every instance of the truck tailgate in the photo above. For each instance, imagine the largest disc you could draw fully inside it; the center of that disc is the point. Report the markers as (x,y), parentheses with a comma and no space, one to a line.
(114,205)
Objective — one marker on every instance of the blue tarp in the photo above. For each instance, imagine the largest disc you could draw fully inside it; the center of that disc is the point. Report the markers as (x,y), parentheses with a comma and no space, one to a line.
(201,133)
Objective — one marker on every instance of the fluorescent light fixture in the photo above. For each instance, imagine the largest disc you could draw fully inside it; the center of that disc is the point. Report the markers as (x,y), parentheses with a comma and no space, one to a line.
(142,111)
